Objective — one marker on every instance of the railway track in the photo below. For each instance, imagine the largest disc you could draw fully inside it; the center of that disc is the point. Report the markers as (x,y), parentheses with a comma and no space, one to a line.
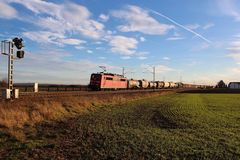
(31,95)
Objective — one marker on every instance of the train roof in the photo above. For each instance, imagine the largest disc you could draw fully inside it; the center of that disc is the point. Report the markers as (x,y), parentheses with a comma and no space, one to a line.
(110,74)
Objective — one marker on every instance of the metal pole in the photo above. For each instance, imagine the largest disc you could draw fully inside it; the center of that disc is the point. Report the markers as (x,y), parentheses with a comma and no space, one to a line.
(153,73)
(10,67)
(123,71)
(1,47)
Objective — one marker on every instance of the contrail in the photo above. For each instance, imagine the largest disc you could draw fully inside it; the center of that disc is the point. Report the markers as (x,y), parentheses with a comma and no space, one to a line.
(176,23)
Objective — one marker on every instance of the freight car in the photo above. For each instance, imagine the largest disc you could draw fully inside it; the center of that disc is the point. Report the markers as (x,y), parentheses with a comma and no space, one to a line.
(166,85)
(109,81)
(172,85)
(160,84)
(144,84)
(151,85)
(133,84)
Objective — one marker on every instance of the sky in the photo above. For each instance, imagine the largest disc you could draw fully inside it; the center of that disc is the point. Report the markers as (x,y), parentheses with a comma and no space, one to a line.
(66,40)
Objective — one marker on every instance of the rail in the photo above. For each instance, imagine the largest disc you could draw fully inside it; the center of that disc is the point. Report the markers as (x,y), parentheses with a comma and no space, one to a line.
(49,95)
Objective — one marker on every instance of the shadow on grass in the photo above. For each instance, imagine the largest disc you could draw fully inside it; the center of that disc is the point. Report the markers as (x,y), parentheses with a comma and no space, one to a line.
(159,120)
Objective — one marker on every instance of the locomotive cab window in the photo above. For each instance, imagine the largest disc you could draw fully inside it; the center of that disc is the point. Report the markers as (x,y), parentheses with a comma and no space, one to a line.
(109,78)
(95,77)
(123,79)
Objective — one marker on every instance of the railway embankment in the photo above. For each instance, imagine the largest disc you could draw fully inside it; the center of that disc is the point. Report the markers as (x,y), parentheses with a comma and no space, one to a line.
(28,111)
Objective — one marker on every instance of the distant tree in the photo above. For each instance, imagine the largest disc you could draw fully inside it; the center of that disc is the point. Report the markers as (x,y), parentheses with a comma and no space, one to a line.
(3,83)
(221,84)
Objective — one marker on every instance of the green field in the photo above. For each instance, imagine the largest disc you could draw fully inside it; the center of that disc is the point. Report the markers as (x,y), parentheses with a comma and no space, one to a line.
(176,126)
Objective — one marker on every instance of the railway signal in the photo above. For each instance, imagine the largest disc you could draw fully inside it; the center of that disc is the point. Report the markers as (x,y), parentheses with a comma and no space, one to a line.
(18,42)
(7,48)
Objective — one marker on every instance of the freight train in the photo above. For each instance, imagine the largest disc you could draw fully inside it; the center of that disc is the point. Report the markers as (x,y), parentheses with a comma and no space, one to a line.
(110,81)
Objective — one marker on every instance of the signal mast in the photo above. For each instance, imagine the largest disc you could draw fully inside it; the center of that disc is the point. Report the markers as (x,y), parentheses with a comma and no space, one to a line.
(8,48)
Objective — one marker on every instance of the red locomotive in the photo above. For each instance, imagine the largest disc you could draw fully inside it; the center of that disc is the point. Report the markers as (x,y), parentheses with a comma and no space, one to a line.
(100,81)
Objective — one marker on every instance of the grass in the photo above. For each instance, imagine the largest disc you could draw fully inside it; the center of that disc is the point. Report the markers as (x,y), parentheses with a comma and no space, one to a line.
(176,126)
(14,115)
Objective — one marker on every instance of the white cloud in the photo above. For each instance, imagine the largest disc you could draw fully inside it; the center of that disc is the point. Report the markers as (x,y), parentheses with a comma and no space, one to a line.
(126,57)
(193,26)
(158,68)
(197,26)
(193,62)
(229,8)
(98,42)
(89,51)
(80,47)
(142,39)
(51,24)
(234,53)
(166,58)
(142,53)
(101,57)
(235,56)
(100,48)
(176,36)
(63,18)
(110,32)
(54,38)
(200,47)
(72,41)
(163,69)
(60,22)
(103,17)
(35,67)
(123,45)
(43,36)
(209,25)
(234,50)
(7,11)
(142,57)
(38,6)
(139,20)
(236,70)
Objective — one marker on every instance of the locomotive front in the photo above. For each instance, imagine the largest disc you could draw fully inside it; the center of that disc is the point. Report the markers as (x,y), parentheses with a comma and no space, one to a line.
(95,81)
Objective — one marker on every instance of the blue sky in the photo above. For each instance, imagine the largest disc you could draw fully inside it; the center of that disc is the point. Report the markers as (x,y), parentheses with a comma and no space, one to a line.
(66,41)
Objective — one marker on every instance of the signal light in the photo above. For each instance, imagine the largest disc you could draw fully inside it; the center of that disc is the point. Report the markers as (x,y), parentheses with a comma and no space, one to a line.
(18,42)
(20,54)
